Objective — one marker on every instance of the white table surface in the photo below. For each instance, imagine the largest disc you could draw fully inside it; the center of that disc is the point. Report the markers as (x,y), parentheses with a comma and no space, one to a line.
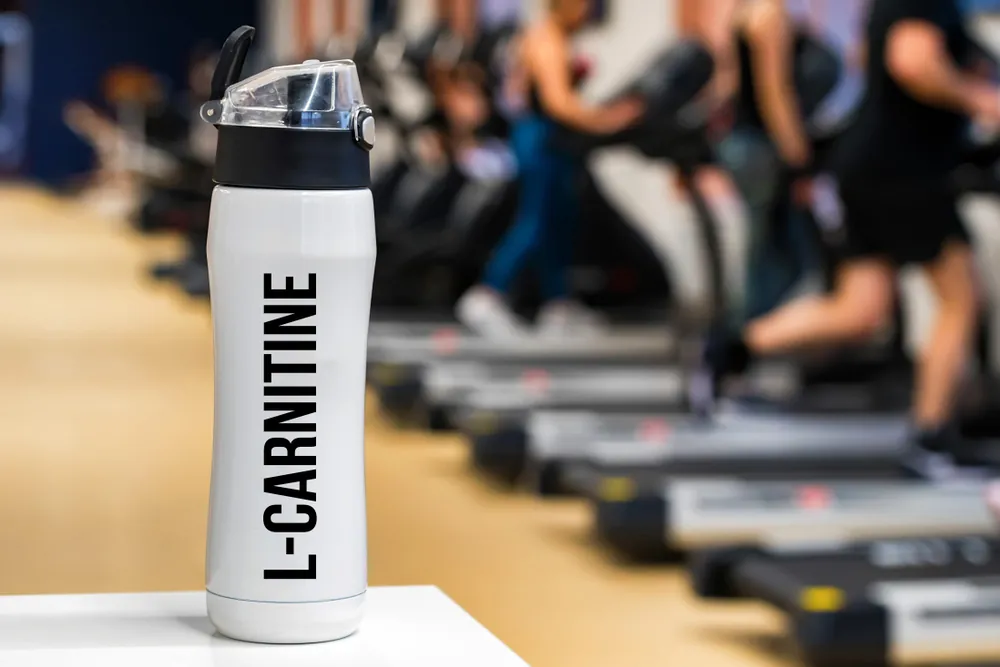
(412,626)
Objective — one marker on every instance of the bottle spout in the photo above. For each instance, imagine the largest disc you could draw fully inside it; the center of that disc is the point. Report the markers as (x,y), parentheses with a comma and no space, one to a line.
(228,70)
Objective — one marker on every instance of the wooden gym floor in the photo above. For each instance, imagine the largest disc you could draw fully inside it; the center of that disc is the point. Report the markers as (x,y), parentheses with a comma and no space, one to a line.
(106,395)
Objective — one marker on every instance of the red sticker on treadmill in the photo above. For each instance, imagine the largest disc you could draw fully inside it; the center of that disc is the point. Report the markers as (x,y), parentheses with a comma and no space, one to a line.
(993,498)
(653,431)
(445,341)
(536,381)
(814,497)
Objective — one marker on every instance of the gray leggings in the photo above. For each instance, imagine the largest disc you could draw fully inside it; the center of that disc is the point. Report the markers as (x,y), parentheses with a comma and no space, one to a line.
(781,252)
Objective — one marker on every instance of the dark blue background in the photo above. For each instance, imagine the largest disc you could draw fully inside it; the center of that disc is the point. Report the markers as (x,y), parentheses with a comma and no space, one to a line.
(77,41)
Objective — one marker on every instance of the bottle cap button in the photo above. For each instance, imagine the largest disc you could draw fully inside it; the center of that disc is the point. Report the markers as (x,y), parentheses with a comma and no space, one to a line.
(368,130)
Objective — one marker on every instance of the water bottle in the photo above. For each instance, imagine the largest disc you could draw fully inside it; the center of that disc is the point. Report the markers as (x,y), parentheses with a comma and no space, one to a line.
(291,250)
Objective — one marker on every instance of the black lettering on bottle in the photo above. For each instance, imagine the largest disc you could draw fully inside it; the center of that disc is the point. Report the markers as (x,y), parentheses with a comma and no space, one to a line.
(278,485)
(289,411)
(290,526)
(295,357)
(281,326)
(289,391)
(306,345)
(308,573)
(271,368)
(289,457)
(289,292)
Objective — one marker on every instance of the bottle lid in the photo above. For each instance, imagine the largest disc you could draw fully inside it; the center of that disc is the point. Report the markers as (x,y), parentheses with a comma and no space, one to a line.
(311,96)
(298,127)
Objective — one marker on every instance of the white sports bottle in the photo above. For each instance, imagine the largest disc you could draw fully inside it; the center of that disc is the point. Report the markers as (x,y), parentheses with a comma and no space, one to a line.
(291,252)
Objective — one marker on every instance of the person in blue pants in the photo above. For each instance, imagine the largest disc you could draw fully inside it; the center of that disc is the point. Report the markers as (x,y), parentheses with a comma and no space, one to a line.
(542,79)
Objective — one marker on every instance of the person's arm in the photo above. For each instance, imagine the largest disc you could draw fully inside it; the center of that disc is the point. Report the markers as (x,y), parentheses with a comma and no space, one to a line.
(716,21)
(768,33)
(689,19)
(548,56)
(917,58)
(464,19)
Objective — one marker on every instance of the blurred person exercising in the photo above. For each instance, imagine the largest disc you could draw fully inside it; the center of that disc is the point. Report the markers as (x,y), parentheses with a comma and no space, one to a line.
(898,209)
(543,230)
(468,18)
(768,152)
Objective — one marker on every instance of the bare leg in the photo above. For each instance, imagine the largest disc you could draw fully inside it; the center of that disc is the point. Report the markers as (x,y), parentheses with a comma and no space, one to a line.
(857,309)
(943,360)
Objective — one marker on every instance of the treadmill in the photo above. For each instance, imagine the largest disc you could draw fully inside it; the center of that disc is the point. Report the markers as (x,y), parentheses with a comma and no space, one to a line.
(506,445)
(889,602)
(397,371)
(679,74)
(494,418)
(780,422)
(700,513)
(447,386)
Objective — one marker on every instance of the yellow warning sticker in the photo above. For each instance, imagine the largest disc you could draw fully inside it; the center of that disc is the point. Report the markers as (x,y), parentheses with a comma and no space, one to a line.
(386,374)
(820,599)
(484,423)
(617,489)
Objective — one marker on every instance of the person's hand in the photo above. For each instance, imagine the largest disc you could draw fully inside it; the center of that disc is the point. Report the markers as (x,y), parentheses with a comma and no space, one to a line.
(984,104)
(796,154)
(624,113)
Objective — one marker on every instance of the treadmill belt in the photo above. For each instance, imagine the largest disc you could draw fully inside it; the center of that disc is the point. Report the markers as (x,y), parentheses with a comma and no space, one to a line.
(808,581)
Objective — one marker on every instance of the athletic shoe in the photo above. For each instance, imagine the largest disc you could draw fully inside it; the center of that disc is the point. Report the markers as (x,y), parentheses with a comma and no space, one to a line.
(934,466)
(562,319)
(702,392)
(484,312)
(722,357)
(929,457)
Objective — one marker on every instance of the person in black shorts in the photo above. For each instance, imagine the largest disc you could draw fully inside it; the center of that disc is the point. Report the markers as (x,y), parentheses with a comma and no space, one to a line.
(898,210)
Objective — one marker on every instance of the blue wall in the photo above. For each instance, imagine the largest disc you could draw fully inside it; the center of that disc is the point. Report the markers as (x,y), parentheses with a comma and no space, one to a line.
(77,41)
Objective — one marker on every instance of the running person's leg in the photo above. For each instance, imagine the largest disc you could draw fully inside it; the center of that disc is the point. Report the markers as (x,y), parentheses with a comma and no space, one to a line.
(889,226)
(947,352)
(771,272)
(857,309)
(557,236)
(561,315)
(944,251)
(484,308)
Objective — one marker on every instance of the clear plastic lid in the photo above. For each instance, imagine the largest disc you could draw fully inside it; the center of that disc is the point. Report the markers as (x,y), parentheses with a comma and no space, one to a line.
(314,95)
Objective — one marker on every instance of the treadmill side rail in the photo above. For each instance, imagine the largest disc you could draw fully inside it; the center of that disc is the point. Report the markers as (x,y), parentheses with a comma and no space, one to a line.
(955,621)
(713,513)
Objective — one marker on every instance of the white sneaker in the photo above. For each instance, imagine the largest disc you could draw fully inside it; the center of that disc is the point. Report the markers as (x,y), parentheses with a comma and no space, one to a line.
(570,319)
(484,311)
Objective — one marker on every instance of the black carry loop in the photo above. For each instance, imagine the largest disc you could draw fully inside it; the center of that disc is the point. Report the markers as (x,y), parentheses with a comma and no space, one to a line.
(232,58)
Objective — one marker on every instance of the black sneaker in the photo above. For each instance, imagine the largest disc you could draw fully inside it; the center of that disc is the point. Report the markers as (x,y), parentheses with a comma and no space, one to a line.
(930,457)
(722,357)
